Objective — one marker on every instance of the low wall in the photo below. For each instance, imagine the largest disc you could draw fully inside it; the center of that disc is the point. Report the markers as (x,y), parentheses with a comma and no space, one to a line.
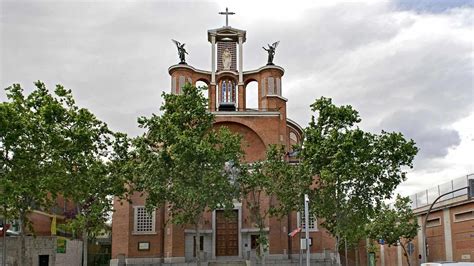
(44,247)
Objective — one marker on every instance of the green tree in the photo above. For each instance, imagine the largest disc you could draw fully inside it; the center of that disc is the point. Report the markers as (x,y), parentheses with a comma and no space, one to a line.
(93,158)
(355,170)
(395,225)
(51,147)
(272,188)
(182,160)
(31,169)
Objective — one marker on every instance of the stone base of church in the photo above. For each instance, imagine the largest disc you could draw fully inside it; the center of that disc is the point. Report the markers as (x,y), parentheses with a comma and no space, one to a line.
(324,258)
(176,260)
(136,261)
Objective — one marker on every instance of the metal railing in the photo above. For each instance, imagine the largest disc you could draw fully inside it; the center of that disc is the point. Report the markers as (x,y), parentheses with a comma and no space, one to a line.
(426,197)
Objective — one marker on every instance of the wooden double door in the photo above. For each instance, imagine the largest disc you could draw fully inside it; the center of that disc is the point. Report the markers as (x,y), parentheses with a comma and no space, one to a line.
(227,234)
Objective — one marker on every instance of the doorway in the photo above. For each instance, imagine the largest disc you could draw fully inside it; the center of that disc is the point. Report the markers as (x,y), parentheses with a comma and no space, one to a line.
(227,234)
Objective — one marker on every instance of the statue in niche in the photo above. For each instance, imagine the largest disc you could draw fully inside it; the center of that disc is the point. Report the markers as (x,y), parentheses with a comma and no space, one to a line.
(271,52)
(181,51)
(226,59)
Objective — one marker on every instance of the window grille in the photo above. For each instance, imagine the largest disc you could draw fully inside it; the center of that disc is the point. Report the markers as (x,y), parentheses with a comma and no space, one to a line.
(312,226)
(143,221)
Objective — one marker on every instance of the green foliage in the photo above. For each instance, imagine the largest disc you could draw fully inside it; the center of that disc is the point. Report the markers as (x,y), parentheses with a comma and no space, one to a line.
(181,158)
(395,225)
(30,163)
(51,147)
(356,170)
(274,178)
(272,188)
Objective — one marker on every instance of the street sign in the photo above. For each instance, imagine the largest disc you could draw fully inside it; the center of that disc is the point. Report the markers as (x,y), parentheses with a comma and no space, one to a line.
(410,248)
(381,242)
(303,242)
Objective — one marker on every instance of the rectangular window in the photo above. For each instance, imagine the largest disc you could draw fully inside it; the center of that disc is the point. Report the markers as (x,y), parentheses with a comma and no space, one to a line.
(143,222)
(201,244)
(433,222)
(253,241)
(464,216)
(312,226)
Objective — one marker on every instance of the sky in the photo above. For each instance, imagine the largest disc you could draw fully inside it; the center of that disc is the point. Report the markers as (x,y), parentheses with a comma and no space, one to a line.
(405,65)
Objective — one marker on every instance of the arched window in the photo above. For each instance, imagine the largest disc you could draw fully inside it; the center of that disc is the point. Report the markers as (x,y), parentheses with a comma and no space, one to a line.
(228,93)
(224,94)
(251,101)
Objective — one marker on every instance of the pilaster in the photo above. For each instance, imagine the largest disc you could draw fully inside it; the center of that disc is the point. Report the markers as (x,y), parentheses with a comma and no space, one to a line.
(448,240)
(241,58)
(212,97)
(241,96)
(213,59)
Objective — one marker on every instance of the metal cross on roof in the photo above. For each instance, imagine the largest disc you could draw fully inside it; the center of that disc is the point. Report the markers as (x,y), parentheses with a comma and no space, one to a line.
(226,13)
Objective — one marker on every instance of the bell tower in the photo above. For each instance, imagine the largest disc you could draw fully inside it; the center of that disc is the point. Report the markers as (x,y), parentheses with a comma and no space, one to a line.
(226,91)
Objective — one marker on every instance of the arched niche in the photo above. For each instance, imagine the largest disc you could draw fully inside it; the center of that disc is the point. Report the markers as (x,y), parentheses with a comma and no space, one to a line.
(227,93)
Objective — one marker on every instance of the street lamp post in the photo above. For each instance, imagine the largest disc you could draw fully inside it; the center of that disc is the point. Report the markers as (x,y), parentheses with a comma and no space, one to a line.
(424,249)
(306,225)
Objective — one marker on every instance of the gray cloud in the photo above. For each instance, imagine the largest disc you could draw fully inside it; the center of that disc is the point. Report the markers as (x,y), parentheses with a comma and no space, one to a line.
(432,6)
(423,126)
(404,70)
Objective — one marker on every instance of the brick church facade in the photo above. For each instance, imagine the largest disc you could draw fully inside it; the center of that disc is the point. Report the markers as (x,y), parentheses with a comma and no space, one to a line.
(138,238)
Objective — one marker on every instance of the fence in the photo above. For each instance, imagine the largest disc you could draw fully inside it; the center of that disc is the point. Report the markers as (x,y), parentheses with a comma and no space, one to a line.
(426,197)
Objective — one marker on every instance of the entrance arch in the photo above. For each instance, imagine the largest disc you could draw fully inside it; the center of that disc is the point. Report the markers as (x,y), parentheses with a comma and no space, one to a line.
(252,144)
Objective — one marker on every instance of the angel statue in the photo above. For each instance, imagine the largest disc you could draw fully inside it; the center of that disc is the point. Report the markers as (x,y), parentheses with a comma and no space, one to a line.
(181,51)
(271,52)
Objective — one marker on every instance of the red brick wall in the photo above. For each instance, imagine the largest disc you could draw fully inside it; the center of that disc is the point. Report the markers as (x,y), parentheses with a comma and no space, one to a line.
(253,131)
(435,238)
(462,233)
(123,239)
(120,228)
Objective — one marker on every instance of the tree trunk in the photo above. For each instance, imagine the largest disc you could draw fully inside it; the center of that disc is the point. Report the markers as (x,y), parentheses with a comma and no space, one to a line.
(405,253)
(198,245)
(163,230)
(262,236)
(262,251)
(197,226)
(345,251)
(23,261)
(84,247)
(4,252)
(290,243)
(338,257)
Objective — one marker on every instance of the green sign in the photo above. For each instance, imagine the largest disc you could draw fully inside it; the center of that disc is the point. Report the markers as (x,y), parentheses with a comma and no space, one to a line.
(371,259)
(61,245)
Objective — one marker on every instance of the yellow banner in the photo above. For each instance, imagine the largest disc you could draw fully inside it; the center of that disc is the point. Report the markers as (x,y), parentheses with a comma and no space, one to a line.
(53,226)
